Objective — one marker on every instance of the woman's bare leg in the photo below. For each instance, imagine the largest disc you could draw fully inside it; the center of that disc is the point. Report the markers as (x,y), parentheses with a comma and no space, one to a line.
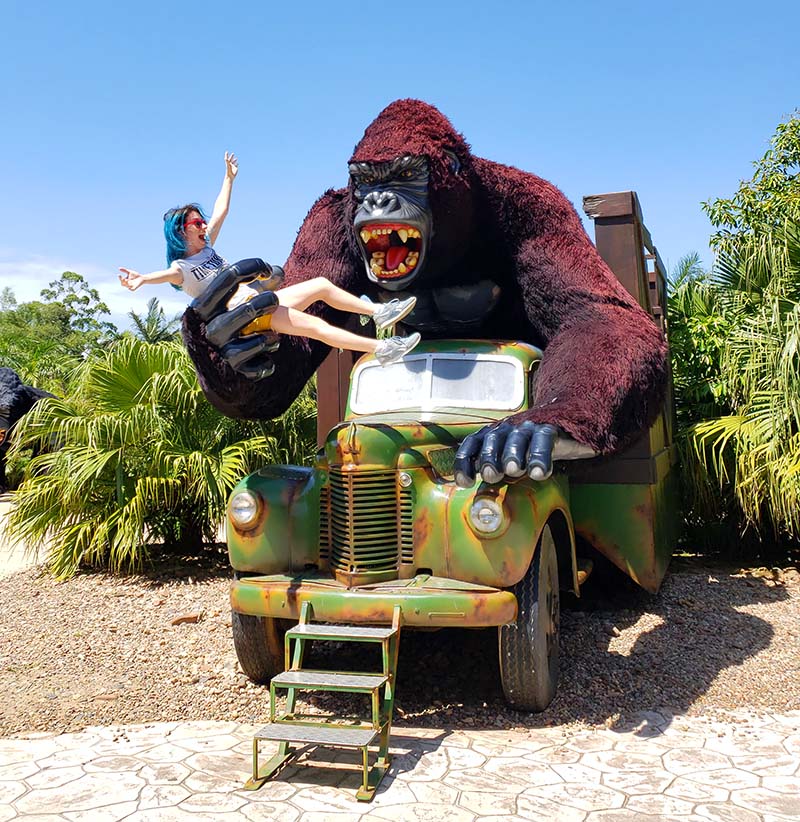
(302,295)
(287,320)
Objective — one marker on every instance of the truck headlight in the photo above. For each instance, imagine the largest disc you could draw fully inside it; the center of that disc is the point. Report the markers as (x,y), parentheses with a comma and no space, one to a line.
(486,515)
(244,508)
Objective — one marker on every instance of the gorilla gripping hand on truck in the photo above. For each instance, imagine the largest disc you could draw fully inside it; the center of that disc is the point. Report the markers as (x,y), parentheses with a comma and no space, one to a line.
(490,252)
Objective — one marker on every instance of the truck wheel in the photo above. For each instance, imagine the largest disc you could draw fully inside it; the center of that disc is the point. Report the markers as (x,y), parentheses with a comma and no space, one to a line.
(529,646)
(259,645)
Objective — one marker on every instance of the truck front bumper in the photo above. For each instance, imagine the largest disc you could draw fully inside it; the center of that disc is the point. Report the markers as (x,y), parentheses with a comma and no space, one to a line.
(425,601)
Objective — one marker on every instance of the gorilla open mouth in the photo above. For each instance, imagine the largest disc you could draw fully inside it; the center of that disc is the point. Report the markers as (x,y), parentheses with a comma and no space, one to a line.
(392,250)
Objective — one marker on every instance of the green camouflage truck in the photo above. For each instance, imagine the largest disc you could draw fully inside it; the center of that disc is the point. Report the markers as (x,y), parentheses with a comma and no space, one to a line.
(378,520)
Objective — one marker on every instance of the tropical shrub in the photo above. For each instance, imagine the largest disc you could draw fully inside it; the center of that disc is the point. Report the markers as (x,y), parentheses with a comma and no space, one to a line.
(140,461)
(755,448)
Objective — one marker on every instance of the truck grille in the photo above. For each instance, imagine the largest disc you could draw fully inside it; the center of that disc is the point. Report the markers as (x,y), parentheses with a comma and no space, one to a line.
(369,523)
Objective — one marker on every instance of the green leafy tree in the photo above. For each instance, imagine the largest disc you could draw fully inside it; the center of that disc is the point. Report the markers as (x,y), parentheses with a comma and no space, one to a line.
(154,327)
(44,341)
(765,201)
(143,462)
(84,308)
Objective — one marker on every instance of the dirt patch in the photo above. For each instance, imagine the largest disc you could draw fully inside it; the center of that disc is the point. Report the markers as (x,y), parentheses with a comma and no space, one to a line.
(101,650)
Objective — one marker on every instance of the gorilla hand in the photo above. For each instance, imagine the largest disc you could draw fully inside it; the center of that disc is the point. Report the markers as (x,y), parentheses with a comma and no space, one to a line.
(506,450)
(247,354)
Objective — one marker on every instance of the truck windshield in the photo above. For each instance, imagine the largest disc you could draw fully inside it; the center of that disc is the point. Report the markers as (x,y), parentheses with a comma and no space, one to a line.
(430,381)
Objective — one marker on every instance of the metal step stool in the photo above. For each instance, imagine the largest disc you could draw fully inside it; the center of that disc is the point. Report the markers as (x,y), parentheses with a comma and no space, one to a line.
(361,734)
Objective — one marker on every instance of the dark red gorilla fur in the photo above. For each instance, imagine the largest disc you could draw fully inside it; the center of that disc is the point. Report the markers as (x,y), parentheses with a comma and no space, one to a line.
(603,373)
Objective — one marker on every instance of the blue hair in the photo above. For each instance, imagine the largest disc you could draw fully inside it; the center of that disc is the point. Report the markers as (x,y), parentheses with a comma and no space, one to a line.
(174,221)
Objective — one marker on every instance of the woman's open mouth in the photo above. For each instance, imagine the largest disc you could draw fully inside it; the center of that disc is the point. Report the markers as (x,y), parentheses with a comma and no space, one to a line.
(392,249)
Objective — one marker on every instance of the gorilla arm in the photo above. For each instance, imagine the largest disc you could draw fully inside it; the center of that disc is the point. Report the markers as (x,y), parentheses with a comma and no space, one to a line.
(603,372)
(322,248)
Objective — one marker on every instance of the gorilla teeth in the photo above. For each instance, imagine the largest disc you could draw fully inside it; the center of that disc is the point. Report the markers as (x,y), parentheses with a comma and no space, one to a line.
(379,236)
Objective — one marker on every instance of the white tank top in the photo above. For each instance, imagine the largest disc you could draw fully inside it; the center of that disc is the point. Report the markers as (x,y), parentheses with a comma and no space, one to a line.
(199,270)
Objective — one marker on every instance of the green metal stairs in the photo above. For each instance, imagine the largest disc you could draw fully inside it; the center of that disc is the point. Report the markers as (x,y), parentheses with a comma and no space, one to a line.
(290,728)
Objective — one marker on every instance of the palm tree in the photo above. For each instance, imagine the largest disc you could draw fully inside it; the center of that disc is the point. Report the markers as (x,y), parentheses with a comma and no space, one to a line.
(154,327)
(756,445)
(143,459)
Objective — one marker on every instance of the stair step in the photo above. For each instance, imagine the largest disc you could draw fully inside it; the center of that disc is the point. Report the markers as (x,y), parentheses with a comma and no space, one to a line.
(327,735)
(345,632)
(330,679)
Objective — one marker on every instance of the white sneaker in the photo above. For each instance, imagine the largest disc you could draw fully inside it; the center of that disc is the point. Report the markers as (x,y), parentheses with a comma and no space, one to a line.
(395,348)
(387,314)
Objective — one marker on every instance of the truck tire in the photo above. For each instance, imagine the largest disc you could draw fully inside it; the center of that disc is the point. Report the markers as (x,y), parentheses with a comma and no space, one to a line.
(259,645)
(529,646)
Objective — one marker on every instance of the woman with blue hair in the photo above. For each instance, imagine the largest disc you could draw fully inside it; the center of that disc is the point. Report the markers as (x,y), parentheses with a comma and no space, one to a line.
(193,263)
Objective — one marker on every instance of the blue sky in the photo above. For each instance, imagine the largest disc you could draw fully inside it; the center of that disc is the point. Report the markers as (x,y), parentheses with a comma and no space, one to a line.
(115,112)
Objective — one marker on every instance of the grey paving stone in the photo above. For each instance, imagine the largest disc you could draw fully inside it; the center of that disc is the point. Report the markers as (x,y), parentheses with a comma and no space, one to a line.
(684,788)
(18,770)
(164,773)
(270,812)
(634,783)
(615,761)
(162,796)
(326,800)
(726,813)
(88,792)
(110,813)
(692,760)
(212,803)
(729,778)
(764,800)
(9,791)
(420,812)
(195,771)
(112,764)
(540,808)
(582,797)
(659,805)
(483,803)
(434,792)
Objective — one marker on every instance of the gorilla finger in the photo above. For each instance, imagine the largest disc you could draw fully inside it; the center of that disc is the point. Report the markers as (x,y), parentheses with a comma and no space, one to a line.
(464,463)
(228,280)
(257,369)
(489,460)
(239,352)
(515,453)
(540,453)
(227,325)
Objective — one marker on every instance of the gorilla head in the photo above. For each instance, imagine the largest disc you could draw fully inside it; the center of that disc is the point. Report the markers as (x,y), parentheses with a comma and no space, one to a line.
(411,180)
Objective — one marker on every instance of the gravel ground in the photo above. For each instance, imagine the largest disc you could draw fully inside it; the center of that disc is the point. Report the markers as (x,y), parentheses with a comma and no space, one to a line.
(102,650)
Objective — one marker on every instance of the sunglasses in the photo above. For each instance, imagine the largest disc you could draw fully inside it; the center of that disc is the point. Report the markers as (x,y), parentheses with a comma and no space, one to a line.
(194,222)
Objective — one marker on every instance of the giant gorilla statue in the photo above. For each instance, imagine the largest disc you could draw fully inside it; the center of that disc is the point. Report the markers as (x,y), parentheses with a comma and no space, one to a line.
(490,252)
(16,399)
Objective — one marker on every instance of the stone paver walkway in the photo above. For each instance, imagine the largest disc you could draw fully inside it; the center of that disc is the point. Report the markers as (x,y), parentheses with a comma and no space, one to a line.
(682,768)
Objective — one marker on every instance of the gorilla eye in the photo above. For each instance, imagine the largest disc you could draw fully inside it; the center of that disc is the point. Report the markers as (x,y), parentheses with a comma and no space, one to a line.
(367,180)
(455,163)
(407,173)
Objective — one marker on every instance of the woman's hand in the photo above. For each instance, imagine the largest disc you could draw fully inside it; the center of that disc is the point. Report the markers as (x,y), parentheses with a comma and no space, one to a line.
(231,166)
(130,279)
